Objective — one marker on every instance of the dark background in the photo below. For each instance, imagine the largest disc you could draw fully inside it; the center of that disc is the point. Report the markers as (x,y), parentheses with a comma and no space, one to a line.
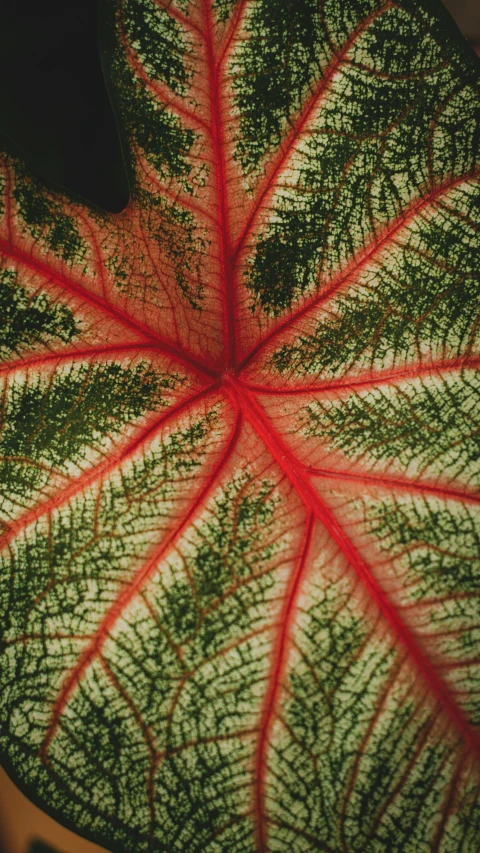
(53,100)
(54,107)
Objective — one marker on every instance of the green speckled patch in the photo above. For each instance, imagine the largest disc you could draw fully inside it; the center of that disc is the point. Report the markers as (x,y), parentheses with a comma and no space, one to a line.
(51,424)
(227,553)
(97,536)
(30,319)
(440,544)
(355,169)
(420,299)
(272,69)
(46,220)
(346,687)
(411,427)
(433,546)
(163,139)
(159,42)
(211,653)
(158,133)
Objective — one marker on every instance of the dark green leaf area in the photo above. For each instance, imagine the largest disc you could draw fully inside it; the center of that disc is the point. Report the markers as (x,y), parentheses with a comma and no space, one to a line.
(30,319)
(320,218)
(377,137)
(158,41)
(339,698)
(229,550)
(105,769)
(468,821)
(48,423)
(415,423)
(66,571)
(112,821)
(342,19)
(417,300)
(45,218)
(390,42)
(455,144)
(435,547)
(57,421)
(272,71)
(449,239)
(158,132)
(437,543)
(182,801)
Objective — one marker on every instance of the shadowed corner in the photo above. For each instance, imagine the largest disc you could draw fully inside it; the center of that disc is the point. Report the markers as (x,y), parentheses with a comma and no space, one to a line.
(53,100)
(39,847)
(24,828)
(466,14)
(3,832)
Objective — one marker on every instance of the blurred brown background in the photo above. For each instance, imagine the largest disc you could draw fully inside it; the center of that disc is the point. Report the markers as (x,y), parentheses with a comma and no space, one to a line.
(467,16)
(21,823)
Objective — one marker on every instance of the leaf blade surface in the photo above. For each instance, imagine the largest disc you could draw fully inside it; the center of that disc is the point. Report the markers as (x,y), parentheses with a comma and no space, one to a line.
(240,441)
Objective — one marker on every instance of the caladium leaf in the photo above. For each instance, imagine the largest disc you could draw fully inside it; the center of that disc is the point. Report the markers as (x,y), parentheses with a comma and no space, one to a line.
(240,542)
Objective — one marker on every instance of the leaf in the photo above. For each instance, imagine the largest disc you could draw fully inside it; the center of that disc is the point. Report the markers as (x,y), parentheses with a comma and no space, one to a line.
(240,577)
